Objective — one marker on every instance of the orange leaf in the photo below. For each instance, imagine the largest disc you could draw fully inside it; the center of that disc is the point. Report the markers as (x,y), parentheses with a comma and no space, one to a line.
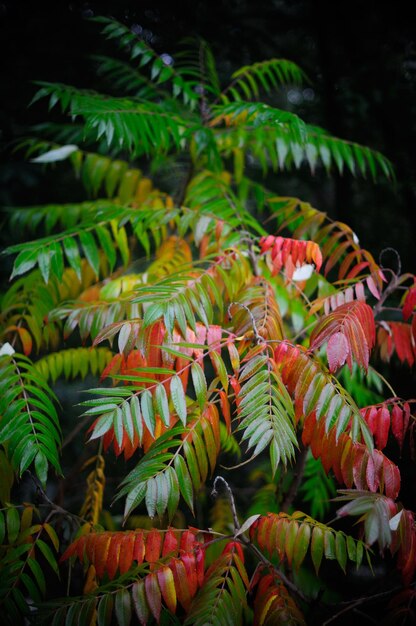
(167,587)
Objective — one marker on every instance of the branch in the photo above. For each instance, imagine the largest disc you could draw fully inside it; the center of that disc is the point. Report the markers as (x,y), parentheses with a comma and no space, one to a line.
(298,475)
(351,605)
(230,495)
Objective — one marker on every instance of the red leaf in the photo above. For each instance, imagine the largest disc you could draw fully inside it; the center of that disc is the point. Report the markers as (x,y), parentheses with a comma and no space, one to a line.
(382,427)
(181,583)
(290,253)
(170,545)
(188,559)
(187,541)
(337,351)
(397,424)
(391,476)
(225,409)
(355,321)
(199,562)
(153,545)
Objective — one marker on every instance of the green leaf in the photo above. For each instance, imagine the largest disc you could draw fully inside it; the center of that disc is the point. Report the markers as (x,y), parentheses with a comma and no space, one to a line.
(200,384)
(72,254)
(220,368)
(107,245)
(24,262)
(44,262)
(105,610)
(90,250)
(102,426)
(146,403)
(162,405)
(38,574)
(2,528)
(41,467)
(139,602)
(341,550)
(123,608)
(13,524)
(317,547)
(184,480)
(178,398)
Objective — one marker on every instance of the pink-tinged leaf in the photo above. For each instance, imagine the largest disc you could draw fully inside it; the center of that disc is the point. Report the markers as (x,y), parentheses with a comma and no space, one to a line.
(360,466)
(337,351)
(382,428)
(371,284)
(397,424)
(140,604)
(153,594)
(181,583)
(370,475)
(391,477)
(214,336)
(370,416)
(359,292)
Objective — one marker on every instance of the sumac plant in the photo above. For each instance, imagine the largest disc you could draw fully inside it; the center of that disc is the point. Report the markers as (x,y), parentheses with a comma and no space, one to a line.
(232,339)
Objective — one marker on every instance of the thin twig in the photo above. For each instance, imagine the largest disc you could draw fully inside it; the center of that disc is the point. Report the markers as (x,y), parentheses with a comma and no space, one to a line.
(214,494)
(298,475)
(259,338)
(355,603)
(55,508)
(272,567)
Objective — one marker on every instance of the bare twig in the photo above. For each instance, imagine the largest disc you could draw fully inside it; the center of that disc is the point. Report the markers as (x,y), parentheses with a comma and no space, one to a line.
(298,474)
(350,606)
(250,545)
(214,494)
(289,584)
(259,338)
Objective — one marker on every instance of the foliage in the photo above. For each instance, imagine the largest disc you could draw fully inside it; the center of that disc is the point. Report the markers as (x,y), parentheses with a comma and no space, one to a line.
(207,309)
